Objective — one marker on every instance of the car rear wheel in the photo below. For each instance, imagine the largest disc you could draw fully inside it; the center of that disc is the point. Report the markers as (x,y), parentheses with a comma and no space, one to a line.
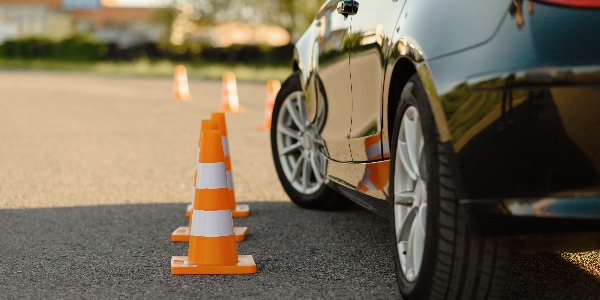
(436,256)
(299,152)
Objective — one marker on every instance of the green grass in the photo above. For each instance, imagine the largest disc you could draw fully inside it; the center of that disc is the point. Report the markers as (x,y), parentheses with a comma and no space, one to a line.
(146,68)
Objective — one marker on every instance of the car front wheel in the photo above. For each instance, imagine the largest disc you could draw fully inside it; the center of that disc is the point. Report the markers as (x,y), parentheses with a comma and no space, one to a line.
(436,257)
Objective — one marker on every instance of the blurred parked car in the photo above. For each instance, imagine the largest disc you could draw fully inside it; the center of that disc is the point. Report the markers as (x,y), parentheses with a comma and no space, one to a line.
(474,126)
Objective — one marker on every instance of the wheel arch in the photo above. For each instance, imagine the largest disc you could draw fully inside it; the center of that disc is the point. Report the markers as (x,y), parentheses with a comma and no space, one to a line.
(403,70)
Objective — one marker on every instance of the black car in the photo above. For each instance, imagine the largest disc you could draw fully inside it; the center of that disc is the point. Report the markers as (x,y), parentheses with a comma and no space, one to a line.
(474,126)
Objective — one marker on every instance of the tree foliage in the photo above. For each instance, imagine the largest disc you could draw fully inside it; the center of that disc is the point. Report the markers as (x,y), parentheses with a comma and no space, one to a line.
(293,15)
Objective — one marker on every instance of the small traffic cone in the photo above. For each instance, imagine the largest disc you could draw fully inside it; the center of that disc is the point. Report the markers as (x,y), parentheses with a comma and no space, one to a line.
(181,87)
(273,87)
(376,175)
(230,102)
(204,125)
(212,248)
(238,210)
(182,233)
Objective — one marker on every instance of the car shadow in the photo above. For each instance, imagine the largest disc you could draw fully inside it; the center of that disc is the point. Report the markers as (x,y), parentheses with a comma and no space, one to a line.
(548,275)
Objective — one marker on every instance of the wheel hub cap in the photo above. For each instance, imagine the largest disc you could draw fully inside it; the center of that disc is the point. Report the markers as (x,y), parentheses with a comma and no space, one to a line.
(410,194)
(307,141)
(299,146)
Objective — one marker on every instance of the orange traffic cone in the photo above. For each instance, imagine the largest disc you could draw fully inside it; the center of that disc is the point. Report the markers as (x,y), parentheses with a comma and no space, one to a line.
(273,87)
(182,234)
(376,175)
(181,88)
(230,102)
(212,248)
(238,210)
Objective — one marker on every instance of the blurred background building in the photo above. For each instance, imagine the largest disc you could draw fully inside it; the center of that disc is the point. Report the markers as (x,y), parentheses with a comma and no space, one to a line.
(128,23)
(107,20)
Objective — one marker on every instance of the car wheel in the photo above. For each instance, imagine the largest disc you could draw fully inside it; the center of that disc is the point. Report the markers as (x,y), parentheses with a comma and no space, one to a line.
(298,151)
(435,255)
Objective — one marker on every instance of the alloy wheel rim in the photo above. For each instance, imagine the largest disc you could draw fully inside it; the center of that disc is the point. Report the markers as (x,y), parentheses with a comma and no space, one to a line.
(299,146)
(410,194)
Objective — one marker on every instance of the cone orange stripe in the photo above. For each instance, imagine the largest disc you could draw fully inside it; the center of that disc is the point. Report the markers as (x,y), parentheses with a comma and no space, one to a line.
(220,118)
(212,149)
(206,125)
(217,199)
(362,187)
(227,163)
(212,250)
(372,140)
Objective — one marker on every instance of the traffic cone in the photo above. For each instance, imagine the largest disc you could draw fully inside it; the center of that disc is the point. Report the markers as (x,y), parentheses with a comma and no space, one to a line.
(212,248)
(181,88)
(273,87)
(204,125)
(238,210)
(230,102)
(182,233)
(376,175)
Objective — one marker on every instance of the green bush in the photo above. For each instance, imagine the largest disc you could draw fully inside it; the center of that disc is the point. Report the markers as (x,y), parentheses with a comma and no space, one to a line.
(79,48)
(76,48)
(82,49)
(28,48)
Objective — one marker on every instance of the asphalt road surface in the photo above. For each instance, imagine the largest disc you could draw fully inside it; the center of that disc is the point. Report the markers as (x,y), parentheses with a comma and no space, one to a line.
(95,173)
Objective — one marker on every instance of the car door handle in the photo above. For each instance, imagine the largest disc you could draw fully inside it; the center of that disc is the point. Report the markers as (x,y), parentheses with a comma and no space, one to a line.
(347,7)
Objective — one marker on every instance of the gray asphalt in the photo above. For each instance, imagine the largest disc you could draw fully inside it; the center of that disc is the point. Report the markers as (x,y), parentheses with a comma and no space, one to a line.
(124,251)
(95,173)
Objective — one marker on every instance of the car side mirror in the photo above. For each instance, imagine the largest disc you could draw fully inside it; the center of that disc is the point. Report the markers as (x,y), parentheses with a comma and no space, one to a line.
(347,7)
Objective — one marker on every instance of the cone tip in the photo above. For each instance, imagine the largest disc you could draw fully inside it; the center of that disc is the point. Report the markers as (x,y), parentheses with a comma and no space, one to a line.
(211,147)
(219,117)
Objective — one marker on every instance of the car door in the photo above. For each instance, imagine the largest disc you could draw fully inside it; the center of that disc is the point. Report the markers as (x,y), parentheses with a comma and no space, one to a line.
(333,76)
(371,28)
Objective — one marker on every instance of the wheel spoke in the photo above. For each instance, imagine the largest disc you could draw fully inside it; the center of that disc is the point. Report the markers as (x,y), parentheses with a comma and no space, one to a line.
(306,170)
(402,249)
(315,167)
(410,254)
(423,217)
(293,111)
(400,215)
(287,149)
(289,132)
(412,140)
(404,198)
(404,156)
(296,169)
(301,107)
(417,240)
(319,141)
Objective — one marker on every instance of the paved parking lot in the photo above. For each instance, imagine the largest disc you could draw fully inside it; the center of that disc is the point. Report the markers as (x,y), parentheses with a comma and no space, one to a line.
(95,172)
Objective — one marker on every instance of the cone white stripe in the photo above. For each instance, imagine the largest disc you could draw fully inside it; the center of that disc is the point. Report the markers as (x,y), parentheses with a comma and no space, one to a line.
(211,176)
(373,151)
(386,148)
(212,223)
(368,184)
(225,146)
(229,180)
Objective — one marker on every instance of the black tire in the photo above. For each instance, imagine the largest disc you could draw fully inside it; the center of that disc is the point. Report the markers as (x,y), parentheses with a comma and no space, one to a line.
(455,264)
(321,197)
